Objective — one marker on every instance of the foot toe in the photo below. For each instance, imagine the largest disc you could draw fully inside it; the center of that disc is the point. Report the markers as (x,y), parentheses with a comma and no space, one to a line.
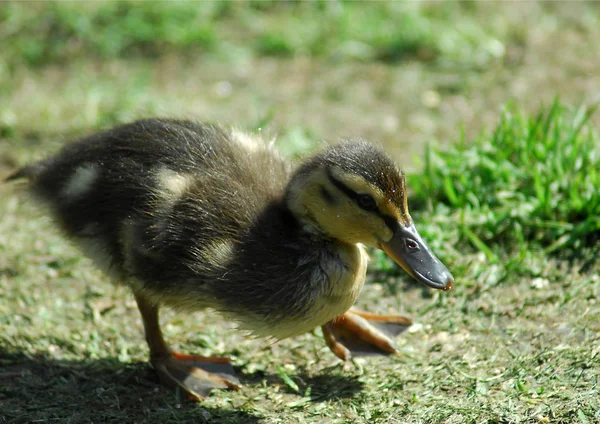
(362,334)
(197,376)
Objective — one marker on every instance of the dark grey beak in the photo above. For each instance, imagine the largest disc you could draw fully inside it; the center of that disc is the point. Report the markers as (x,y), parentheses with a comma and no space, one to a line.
(408,250)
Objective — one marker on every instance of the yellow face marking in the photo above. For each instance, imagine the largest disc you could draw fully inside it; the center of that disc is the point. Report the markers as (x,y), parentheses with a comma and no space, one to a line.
(339,217)
(358,184)
(386,206)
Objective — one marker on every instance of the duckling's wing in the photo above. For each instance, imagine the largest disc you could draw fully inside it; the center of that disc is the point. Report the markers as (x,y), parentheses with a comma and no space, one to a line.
(102,186)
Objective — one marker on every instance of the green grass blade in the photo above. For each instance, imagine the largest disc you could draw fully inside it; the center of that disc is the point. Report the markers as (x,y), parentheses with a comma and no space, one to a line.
(287,380)
(479,244)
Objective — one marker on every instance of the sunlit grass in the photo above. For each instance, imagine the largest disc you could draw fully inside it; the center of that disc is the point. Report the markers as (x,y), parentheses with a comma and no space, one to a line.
(517,338)
(73,350)
(533,180)
(519,194)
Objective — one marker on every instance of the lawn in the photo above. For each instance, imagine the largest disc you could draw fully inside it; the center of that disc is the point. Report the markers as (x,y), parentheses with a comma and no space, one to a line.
(492,118)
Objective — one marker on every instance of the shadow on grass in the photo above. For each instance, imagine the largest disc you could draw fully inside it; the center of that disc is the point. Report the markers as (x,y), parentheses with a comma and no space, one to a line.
(328,385)
(104,390)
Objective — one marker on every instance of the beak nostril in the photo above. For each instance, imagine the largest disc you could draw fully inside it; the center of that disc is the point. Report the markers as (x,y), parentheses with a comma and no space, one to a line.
(411,244)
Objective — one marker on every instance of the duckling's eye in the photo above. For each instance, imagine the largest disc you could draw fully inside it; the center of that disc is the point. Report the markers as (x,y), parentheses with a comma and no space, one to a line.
(366,202)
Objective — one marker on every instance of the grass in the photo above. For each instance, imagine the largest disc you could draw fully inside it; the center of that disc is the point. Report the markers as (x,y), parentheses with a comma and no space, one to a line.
(385,31)
(522,350)
(533,180)
(512,211)
(530,185)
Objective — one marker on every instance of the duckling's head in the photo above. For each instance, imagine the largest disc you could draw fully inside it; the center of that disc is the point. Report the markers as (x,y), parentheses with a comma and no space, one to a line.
(353,192)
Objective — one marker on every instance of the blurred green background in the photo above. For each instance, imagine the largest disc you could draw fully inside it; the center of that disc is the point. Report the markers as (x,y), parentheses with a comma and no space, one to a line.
(488,106)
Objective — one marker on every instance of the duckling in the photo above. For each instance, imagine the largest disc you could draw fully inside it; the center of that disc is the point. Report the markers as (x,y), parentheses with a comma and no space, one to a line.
(194,216)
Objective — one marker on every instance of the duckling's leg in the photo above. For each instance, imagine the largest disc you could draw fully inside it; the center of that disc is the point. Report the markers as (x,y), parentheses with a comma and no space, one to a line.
(358,333)
(195,375)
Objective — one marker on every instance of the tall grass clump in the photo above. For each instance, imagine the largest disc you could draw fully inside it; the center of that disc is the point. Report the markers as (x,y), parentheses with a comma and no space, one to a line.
(533,183)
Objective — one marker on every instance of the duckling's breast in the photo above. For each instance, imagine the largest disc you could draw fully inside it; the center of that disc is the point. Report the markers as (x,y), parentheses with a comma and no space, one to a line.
(311,293)
(340,275)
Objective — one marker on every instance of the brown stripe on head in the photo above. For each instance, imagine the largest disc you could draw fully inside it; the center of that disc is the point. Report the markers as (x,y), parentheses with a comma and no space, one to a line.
(403,203)
(368,161)
(396,203)
(363,167)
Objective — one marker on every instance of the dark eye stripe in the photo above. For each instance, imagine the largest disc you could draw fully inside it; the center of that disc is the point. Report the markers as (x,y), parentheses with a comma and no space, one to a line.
(366,202)
(389,220)
(327,196)
(342,187)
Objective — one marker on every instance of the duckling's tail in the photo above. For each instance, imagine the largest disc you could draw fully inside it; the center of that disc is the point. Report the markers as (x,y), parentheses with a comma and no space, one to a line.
(17,175)
(30,172)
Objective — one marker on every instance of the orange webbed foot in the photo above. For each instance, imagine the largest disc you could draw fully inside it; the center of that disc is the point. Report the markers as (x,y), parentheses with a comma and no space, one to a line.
(196,375)
(358,333)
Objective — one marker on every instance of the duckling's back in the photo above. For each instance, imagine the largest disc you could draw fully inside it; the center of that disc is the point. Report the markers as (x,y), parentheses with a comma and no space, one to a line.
(124,195)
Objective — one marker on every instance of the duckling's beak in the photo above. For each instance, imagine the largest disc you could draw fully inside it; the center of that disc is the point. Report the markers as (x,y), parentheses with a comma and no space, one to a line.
(408,250)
